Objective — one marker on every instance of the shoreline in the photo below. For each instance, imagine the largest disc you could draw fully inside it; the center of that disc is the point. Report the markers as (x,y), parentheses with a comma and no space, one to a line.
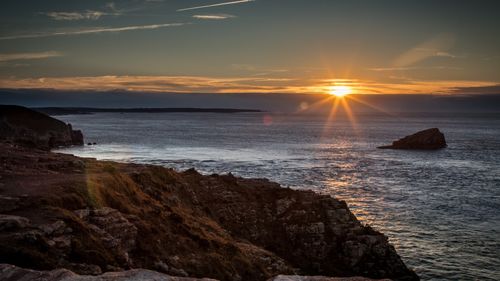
(251,224)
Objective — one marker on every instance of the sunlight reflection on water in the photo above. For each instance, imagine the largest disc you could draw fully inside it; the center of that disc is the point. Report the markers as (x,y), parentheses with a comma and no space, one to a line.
(440,209)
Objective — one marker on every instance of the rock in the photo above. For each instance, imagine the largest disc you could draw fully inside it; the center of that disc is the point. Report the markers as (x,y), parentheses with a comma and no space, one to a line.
(112,228)
(319,278)
(428,139)
(8,203)
(86,269)
(76,136)
(161,266)
(30,128)
(56,228)
(13,273)
(8,222)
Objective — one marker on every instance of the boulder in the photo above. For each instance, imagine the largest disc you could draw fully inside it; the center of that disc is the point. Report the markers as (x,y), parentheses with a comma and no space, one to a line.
(30,128)
(427,139)
(13,273)
(8,222)
(320,278)
(116,231)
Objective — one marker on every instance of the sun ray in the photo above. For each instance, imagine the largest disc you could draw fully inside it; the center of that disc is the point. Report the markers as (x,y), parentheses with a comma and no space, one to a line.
(316,104)
(358,100)
(350,114)
(331,116)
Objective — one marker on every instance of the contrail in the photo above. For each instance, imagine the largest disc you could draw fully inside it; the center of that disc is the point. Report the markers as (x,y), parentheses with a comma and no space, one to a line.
(91,31)
(215,5)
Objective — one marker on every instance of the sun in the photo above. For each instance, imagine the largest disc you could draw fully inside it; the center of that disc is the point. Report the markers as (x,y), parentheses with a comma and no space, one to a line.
(340,91)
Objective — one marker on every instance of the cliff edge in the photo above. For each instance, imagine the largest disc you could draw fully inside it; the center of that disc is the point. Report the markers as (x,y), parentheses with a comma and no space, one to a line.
(34,129)
(89,216)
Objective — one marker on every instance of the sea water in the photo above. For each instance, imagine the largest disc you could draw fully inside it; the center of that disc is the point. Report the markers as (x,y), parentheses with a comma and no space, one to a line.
(440,209)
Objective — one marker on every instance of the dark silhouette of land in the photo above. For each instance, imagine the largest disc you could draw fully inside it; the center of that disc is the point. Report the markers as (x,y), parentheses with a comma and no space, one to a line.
(35,129)
(91,110)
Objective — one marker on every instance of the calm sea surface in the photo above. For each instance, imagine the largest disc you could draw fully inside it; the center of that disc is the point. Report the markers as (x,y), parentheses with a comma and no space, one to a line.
(441,209)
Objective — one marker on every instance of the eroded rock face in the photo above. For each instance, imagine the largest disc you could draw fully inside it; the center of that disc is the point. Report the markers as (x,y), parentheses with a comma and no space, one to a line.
(92,217)
(13,273)
(427,139)
(115,231)
(313,232)
(30,128)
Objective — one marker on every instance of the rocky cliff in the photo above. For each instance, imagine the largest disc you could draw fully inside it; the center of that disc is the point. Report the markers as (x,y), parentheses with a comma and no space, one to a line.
(88,216)
(34,129)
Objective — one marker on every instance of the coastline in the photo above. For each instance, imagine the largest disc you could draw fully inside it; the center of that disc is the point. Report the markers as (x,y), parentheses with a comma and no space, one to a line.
(99,216)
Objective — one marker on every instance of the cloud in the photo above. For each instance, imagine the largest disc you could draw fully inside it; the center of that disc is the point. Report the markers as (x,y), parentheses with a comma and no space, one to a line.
(445,54)
(70,16)
(29,56)
(85,15)
(93,31)
(382,69)
(213,17)
(202,84)
(179,84)
(436,46)
(492,89)
(215,5)
(111,6)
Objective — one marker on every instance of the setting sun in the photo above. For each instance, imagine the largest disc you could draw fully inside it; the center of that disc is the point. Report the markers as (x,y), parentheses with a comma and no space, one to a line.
(340,91)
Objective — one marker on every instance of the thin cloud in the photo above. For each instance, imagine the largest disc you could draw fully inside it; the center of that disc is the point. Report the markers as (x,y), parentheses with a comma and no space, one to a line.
(73,16)
(215,5)
(382,69)
(437,46)
(213,17)
(180,84)
(29,56)
(108,10)
(200,84)
(490,89)
(445,54)
(392,68)
(111,6)
(93,31)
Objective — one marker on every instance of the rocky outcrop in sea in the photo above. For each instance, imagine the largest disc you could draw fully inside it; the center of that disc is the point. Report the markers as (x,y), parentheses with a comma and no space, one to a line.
(429,139)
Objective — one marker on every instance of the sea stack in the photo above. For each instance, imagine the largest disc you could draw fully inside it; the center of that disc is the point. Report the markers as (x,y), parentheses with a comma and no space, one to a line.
(429,139)
(30,128)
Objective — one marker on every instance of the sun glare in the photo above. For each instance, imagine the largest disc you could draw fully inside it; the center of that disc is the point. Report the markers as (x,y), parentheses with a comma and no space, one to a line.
(340,91)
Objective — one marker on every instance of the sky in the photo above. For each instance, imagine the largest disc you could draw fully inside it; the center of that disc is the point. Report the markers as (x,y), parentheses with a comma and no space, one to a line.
(260,46)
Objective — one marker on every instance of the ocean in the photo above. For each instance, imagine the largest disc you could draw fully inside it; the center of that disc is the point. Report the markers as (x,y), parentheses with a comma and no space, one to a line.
(440,209)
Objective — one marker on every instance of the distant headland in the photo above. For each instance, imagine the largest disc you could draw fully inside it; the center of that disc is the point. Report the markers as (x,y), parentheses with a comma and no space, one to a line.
(91,110)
